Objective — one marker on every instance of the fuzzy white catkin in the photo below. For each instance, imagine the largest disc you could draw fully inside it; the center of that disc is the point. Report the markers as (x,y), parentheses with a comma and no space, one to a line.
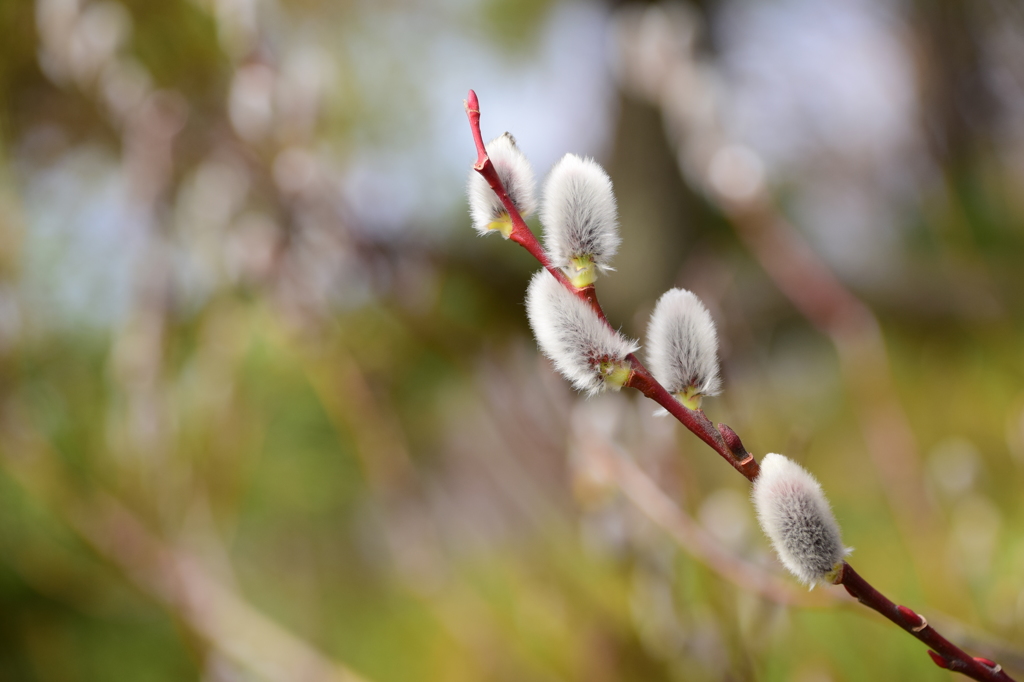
(578,213)
(797,518)
(682,346)
(516,175)
(571,334)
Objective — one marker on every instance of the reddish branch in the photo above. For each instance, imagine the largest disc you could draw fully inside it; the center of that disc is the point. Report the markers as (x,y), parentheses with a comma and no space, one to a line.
(521,233)
(695,420)
(726,442)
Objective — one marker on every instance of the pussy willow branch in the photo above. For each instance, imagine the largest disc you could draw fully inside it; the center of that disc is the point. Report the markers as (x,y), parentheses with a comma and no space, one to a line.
(727,443)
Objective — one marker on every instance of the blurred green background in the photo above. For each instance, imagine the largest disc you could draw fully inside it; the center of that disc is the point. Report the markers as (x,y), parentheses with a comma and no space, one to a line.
(270,410)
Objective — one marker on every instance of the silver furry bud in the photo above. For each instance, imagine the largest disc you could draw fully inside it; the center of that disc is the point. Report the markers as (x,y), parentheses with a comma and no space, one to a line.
(580,219)
(682,347)
(584,349)
(798,520)
(516,175)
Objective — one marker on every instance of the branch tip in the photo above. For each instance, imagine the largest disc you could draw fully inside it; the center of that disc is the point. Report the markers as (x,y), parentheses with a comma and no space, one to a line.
(471,104)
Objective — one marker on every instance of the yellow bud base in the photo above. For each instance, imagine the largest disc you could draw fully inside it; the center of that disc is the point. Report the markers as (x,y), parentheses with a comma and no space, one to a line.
(615,374)
(690,398)
(582,272)
(503,225)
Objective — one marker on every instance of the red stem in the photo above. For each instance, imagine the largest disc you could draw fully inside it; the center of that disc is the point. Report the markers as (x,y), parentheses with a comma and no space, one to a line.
(521,232)
(944,653)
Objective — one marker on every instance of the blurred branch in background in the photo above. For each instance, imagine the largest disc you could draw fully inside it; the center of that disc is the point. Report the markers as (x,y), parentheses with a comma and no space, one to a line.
(659,61)
(177,578)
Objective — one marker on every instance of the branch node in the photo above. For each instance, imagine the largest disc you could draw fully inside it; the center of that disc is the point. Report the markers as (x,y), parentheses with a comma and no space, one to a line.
(910,616)
(938,660)
(732,439)
(996,668)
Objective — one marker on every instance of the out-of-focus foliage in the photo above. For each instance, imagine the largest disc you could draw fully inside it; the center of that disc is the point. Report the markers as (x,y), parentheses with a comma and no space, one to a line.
(269,409)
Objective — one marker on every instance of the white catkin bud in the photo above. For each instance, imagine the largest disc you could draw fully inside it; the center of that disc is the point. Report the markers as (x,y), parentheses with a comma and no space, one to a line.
(682,347)
(796,517)
(516,175)
(581,223)
(587,353)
